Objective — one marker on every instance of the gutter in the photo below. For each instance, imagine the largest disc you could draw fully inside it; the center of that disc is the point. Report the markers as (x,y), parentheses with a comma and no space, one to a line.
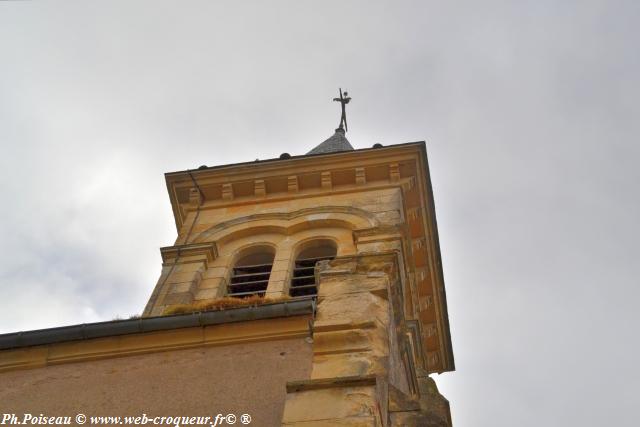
(86,331)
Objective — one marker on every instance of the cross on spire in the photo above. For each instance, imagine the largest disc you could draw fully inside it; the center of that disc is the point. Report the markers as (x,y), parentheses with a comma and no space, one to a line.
(343,100)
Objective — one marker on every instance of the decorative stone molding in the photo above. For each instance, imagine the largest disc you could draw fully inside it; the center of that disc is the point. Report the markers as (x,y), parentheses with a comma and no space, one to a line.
(323,383)
(361,177)
(413,213)
(377,234)
(418,244)
(205,252)
(426,302)
(292,184)
(415,338)
(325,178)
(394,172)
(421,274)
(227,191)
(409,184)
(430,330)
(259,189)
(195,197)
(433,359)
(348,216)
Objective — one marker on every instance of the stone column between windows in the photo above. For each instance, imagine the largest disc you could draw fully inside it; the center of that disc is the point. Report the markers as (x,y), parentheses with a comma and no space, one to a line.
(281,271)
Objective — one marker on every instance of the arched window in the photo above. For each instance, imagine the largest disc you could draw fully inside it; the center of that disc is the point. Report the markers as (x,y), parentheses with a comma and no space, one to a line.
(250,275)
(303,282)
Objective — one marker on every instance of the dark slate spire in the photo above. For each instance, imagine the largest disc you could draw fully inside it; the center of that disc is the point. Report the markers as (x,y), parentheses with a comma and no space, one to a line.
(338,142)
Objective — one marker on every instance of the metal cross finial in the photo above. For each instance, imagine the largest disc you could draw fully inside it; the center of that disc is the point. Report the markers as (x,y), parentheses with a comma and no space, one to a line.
(343,100)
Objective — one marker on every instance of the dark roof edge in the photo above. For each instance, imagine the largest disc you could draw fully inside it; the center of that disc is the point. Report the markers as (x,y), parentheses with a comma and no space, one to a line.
(301,156)
(112,328)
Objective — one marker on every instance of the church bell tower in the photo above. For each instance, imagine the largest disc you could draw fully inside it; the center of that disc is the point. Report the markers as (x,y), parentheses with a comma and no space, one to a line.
(350,231)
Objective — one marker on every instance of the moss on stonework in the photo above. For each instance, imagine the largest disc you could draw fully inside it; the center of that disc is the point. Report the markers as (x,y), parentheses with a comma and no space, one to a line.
(221,304)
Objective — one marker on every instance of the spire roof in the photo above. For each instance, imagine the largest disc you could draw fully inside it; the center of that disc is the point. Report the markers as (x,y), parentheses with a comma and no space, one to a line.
(337,142)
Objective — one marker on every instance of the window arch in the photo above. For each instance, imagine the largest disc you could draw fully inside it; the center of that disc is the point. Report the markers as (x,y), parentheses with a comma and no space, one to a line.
(303,280)
(251,272)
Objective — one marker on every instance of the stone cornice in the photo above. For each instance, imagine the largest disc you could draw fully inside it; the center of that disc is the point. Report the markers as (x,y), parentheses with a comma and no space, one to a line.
(303,176)
(206,252)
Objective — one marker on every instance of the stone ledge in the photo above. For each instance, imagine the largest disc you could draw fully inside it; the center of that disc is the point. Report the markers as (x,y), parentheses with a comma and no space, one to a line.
(206,252)
(322,383)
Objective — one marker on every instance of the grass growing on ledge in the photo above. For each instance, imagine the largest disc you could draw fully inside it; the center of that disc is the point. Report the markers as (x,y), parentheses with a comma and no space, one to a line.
(222,304)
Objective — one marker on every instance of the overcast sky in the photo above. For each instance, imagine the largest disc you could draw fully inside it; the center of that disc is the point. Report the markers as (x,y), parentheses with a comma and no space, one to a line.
(530,111)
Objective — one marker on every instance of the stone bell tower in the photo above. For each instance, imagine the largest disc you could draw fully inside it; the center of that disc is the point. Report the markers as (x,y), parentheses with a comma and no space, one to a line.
(353,231)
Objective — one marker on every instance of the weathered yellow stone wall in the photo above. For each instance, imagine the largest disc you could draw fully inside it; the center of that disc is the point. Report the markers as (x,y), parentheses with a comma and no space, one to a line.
(242,378)
(284,226)
(363,372)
